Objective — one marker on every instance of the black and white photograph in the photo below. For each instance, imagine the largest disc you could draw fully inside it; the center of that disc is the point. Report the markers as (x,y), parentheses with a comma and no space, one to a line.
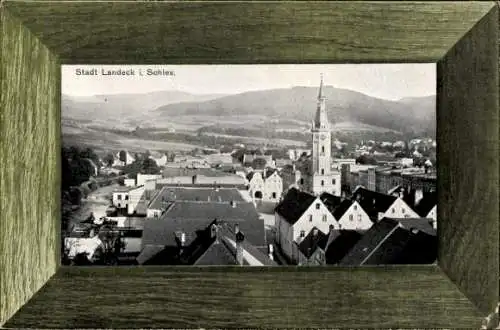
(250,165)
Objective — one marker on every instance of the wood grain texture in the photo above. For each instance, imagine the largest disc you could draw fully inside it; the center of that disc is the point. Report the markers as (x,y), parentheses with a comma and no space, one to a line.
(230,297)
(380,297)
(29,175)
(271,32)
(467,141)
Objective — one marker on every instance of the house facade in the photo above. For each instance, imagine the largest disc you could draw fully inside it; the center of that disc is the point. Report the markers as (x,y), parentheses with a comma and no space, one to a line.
(296,215)
(127,199)
(351,216)
(266,186)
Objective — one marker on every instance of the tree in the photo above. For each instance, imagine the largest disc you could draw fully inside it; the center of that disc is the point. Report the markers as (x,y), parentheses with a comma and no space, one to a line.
(109,159)
(149,166)
(123,156)
(366,160)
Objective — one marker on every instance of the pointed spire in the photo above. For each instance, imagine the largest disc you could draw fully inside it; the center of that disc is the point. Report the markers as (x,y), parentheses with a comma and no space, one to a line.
(320,95)
(321,120)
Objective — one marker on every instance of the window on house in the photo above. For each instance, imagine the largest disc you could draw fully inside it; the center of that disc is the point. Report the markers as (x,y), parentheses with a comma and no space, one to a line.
(119,197)
(322,171)
(302,233)
(355,207)
(333,181)
(359,217)
(301,181)
(322,182)
(351,217)
(324,218)
(126,197)
(403,211)
(317,206)
(393,210)
(322,148)
(274,195)
(310,218)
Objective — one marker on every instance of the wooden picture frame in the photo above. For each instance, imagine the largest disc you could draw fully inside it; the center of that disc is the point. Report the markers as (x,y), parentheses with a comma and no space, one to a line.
(461,290)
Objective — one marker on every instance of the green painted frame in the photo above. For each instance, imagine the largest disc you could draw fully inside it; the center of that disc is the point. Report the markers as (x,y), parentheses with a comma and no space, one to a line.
(462,290)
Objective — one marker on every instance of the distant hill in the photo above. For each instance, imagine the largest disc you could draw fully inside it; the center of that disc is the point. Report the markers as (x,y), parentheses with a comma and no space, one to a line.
(408,115)
(124,106)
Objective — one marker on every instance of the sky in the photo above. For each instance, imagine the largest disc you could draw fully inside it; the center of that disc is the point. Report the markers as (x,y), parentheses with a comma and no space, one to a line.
(387,81)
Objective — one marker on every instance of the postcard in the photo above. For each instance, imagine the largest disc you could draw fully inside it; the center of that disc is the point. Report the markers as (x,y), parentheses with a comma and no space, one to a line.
(251,165)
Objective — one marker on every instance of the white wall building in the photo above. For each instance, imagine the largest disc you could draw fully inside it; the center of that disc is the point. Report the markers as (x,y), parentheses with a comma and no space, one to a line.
(296,215)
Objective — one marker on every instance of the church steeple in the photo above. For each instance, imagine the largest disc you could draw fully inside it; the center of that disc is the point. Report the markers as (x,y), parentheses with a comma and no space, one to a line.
(321,119)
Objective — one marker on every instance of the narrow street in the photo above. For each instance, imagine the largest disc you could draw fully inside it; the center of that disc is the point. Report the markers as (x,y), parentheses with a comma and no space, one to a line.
(96,202)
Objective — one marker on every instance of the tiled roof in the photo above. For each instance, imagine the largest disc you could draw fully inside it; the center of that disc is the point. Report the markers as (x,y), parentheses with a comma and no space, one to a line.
(392,241)
(373,202)
(270,172)
(169,194)
(197,215)
(342,208)
(370,241)
(426,204)
(420,224)
(219,250)
(294,204)
(340,243)
(162,231)
(316,238)
(331,201)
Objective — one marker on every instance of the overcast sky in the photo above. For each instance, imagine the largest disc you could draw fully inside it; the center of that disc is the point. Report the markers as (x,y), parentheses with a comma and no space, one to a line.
(388,81)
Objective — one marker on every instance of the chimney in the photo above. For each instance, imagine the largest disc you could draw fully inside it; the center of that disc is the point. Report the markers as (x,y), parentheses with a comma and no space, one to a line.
(271,250)
(214,232)
(183,239)
(419,195)
(239,249)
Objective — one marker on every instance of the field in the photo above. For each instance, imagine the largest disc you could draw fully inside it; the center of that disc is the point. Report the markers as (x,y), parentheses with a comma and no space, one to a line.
(103,140)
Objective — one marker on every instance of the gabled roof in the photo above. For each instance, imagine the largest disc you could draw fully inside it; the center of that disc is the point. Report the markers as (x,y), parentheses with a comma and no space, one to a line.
(340,243)
(371,241)
(342,208)
(373,202)
(331,201)
(221,249)
(294,204)
(316,238)
(251,175)
(426,204)
(391,242)
(270,172)
(421,224)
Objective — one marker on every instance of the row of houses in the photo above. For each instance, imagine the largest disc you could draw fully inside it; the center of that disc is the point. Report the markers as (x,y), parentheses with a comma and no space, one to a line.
(188,225)
(299,214)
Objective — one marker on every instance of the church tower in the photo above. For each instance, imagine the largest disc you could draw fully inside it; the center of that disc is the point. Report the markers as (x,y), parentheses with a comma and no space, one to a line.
(322,179)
